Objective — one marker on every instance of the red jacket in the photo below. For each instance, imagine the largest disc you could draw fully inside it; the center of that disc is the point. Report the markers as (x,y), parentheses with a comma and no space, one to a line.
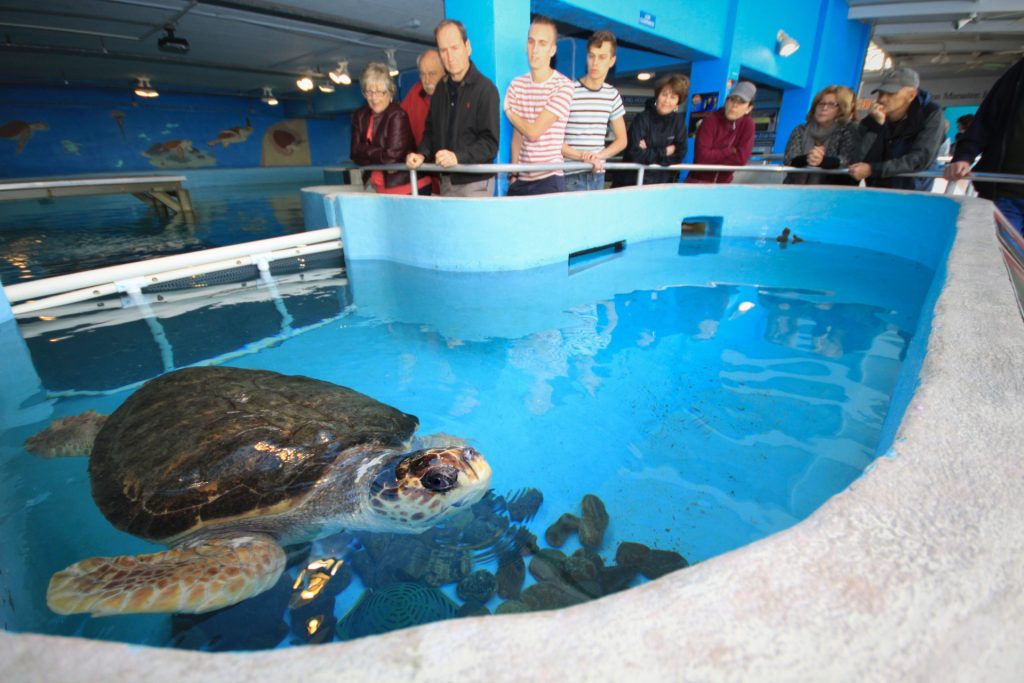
(392,140)
(721,141)
(416,104)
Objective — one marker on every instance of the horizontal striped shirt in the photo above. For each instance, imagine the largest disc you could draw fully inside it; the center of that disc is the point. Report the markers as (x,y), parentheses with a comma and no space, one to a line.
(528,99)
(592,112)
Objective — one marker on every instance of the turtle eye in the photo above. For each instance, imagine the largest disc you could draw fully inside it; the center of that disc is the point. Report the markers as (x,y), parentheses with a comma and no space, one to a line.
(440,479)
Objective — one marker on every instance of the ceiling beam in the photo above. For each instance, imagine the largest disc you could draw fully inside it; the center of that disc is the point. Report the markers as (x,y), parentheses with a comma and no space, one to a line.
(952,46)
(908,10)
(270,9)
(925,27)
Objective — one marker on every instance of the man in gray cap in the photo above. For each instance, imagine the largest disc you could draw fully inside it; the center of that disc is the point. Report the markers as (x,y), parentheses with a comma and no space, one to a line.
(901,134)
(726,137)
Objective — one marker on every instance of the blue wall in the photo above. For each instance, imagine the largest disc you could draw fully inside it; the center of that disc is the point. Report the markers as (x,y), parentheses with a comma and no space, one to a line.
(110,131)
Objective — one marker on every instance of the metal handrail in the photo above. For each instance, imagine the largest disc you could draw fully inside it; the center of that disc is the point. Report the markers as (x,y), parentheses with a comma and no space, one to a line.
(490,169)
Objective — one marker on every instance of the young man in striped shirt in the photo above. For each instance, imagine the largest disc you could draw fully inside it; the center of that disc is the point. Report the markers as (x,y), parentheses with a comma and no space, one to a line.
(595,106)
(537,105)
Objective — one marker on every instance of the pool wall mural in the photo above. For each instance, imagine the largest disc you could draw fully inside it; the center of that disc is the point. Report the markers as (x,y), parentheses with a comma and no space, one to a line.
(47,132)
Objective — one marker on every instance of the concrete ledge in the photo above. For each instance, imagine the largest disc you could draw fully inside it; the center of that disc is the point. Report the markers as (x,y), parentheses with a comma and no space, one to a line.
(913,573)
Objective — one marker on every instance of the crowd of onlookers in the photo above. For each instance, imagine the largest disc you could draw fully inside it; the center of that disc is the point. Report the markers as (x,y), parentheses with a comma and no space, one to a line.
(452,116)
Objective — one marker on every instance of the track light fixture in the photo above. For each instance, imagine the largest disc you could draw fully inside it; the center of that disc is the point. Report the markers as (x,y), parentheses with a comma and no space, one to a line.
(784,45)
(644,76)
(392,62)
(325,86)
(305,83)
(268,97)
(144,89)
(341,75)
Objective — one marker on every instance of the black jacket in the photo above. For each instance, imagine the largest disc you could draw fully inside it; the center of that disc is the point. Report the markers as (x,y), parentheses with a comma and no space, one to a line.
(657,132)
(473,134)
(905,146)
(989,133)
(392,140)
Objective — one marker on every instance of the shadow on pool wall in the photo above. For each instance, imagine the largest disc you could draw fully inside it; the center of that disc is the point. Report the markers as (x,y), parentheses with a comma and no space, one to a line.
(482,236)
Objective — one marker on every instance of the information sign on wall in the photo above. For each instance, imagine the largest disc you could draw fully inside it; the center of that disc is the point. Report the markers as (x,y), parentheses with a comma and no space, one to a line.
(647,19)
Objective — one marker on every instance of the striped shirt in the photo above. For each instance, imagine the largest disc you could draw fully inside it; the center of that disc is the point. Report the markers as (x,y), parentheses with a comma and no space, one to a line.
(592,112)
(528,99)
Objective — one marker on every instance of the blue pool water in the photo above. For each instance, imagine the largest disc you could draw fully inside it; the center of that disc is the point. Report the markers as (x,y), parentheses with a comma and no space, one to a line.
(52,237)
(709,391)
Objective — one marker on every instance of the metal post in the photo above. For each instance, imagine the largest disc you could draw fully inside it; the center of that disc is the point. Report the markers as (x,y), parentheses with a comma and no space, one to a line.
(415,184)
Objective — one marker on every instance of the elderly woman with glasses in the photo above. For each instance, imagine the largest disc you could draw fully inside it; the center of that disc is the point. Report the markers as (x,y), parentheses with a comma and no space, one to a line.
(381,133)
(828,140)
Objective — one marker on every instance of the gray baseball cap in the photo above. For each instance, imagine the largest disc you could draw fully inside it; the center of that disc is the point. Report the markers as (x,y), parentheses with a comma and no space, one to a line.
(895,79)
(745,90)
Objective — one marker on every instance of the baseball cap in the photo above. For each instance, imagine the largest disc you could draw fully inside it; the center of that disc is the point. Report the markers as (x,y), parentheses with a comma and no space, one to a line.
(895,79)
(745,90)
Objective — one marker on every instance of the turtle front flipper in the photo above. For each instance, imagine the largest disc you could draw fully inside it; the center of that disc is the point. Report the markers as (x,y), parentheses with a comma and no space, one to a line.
(204,576)
(72,435)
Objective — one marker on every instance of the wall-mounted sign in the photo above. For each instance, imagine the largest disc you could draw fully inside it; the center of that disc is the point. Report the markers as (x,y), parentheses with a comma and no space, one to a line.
(647,19)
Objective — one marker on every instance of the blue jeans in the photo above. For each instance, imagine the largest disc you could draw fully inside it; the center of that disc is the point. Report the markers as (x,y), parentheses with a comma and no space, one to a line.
(1013,209)
(588,180)
(522,188)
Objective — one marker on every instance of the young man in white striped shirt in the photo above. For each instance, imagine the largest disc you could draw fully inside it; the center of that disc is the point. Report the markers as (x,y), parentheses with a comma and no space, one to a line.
(537,105)
(595,106)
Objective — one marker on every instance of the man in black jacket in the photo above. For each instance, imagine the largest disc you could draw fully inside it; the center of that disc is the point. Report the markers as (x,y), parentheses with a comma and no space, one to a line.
(901,134)
(997,133)
(462,124)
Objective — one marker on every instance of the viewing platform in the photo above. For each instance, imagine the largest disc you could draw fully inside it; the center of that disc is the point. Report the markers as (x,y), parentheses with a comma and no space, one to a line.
(160,191)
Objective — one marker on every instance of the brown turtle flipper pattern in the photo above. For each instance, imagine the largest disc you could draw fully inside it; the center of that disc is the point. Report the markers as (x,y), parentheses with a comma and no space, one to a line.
(213,574)
(72,435)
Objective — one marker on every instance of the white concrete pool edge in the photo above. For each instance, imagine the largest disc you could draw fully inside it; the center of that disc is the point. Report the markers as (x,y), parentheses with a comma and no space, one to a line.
(914,573)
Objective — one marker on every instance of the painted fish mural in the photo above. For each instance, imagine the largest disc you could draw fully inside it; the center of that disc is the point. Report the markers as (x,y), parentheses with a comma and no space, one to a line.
(286,144)
(21,131)
(178,154)
(230,136)
(71,147)
(118,117)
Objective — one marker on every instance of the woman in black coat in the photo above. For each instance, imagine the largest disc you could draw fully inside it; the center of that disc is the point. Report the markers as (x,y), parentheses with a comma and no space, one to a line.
(657,135)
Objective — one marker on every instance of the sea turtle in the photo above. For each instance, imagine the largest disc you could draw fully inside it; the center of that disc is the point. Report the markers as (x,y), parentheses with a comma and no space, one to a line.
(21,131)
(226,465)
(230,136)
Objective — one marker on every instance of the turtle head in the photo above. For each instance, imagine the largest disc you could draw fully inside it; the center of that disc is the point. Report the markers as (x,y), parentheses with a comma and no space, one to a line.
(424,487)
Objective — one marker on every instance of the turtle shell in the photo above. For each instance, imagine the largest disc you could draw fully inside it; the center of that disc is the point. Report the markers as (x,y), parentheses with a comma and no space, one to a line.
(209,444)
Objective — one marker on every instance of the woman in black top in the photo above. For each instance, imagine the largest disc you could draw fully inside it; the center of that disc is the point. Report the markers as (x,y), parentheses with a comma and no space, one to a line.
(658,134)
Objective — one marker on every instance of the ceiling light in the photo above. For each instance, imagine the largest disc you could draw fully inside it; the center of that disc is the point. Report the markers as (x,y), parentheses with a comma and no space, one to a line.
(305,83)
(784,45)
(172,43)
(960,23)
(392,63)
(340,75)
(268,97)
(144,89)
(644,76)
(325,86)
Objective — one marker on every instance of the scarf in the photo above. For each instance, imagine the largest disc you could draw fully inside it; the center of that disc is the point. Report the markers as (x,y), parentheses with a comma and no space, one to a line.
(817,135)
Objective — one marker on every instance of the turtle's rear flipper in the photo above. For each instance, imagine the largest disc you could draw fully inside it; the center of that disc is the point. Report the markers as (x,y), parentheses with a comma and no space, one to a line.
(207,576)
(72,435)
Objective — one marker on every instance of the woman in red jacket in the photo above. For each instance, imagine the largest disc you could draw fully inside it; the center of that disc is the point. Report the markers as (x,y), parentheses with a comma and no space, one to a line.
(381,133)
(726,137)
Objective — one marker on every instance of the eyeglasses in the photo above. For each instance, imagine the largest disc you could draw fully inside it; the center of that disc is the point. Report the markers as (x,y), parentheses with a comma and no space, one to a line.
(828,105)
(375,93)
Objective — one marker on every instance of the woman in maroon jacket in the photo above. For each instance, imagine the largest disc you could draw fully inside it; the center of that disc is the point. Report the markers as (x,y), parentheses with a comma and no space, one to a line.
(381,133)
(726,137)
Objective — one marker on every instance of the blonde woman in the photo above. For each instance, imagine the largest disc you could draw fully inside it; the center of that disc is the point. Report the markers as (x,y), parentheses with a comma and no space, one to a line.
(827,140)
(381,133)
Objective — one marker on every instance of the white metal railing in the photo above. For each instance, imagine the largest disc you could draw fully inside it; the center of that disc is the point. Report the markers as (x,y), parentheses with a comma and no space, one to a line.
(491,169)
(130,278)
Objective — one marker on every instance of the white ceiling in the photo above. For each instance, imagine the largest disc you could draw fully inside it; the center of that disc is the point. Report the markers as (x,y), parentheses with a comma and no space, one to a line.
(241,46)
(921,34)
(236,46)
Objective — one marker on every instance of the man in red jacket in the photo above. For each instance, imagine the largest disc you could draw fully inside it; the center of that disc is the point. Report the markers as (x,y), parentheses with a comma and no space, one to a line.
(726,137)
